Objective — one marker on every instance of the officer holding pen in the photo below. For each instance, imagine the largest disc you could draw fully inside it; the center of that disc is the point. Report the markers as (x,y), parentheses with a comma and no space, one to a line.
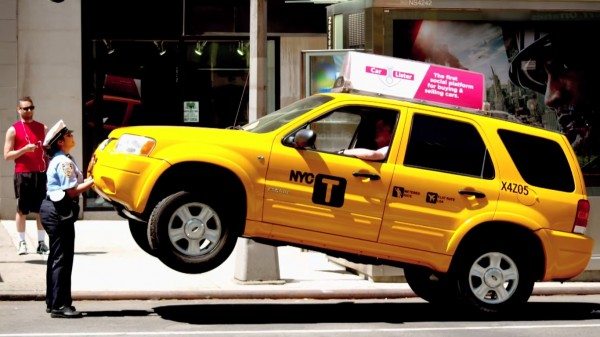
(59,211)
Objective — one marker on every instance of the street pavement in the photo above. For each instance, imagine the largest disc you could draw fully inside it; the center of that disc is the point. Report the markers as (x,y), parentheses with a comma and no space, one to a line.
(110,266)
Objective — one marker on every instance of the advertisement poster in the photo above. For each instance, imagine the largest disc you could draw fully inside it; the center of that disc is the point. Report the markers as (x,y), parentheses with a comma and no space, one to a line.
(320,69)
(191,111)
(324,71)
(542,73)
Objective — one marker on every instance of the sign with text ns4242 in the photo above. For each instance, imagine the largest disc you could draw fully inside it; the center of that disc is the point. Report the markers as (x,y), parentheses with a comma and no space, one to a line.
(414,80)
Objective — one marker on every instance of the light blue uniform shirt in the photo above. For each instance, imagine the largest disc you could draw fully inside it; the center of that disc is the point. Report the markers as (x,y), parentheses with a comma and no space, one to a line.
(62,174)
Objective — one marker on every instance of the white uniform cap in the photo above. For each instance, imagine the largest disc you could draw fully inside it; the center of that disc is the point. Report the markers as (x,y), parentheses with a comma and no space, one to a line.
(56,131)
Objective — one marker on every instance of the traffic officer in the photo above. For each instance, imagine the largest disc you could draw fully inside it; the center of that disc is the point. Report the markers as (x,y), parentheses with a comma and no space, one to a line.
(58,213)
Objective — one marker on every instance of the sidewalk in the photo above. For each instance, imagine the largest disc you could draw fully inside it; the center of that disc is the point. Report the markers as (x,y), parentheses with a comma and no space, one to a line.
(109,265)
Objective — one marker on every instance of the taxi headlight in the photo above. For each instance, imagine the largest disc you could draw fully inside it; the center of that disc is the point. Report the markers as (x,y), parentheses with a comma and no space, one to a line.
(102,145)
(133,144)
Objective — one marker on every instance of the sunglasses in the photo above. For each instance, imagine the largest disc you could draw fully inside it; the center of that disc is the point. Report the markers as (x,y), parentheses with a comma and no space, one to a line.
(28,108)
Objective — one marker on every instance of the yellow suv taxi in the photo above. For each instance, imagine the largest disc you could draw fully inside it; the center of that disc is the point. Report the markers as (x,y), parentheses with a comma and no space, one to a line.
(476,209)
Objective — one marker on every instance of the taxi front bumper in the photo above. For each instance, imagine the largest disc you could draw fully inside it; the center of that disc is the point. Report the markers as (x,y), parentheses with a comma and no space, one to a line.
(125,179)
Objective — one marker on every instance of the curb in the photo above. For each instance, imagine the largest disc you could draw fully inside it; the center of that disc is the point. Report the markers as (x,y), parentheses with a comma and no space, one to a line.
(272,294)
(567,290)
(220,294)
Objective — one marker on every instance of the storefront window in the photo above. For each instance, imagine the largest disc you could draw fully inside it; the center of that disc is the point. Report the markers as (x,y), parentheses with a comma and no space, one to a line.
(200,83)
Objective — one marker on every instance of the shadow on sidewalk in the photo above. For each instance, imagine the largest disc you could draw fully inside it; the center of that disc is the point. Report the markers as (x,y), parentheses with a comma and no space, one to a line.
(40,262)
(120,313)
(91,253)
(352,312)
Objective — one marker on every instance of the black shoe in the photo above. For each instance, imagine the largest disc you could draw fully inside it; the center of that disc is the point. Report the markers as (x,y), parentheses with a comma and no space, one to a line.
(42,248)
(65,312)
(48,309)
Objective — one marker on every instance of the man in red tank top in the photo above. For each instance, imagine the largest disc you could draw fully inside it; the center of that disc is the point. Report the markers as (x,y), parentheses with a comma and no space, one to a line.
(23,144)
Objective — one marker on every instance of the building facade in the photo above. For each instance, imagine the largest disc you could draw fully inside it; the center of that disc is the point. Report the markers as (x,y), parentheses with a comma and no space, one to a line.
(101,64)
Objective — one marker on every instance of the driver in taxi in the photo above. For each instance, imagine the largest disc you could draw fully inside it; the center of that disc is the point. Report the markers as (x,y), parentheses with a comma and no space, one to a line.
(383,137)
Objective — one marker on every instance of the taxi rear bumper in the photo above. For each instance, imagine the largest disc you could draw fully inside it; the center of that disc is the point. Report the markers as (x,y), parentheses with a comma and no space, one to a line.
(567,254)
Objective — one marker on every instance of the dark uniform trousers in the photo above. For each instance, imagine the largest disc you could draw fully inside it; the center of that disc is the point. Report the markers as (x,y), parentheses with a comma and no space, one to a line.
(58,219)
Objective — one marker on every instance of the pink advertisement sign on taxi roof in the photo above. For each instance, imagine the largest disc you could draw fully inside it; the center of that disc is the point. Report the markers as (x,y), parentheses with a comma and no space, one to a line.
(414,80)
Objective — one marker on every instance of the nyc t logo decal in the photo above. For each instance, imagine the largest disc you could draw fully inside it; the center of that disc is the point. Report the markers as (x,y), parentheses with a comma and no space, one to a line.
(329,190)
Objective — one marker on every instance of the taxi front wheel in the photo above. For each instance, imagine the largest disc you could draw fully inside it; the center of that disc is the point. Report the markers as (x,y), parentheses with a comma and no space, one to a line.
(139,232)
(191,233)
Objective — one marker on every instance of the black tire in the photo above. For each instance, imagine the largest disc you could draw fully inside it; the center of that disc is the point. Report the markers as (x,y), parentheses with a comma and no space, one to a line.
(187,243)
(494,279)
(139,232)
(433,287)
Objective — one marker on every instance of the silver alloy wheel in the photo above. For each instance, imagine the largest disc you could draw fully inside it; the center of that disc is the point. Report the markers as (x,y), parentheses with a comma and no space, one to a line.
(194,229)
(494,278)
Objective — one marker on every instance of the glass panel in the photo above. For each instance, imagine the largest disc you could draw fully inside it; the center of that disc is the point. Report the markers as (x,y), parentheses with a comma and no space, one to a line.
(449,146)
(284,115)
(541,162)
(216,77)
(336,131)
(193,83)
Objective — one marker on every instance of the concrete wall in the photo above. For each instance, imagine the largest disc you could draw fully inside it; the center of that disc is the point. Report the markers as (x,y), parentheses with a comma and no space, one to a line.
(8,94)
(291,64)
(594,232)
(40,56)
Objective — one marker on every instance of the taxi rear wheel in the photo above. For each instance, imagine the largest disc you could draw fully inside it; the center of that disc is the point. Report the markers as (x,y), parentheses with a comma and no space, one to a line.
(190,233)
(433,287)
(139,232)
(494,279)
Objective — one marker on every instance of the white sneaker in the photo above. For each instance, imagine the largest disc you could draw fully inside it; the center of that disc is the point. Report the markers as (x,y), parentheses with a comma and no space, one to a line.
(22,250)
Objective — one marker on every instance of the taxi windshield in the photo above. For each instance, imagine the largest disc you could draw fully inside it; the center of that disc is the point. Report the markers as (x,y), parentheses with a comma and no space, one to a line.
(276,119)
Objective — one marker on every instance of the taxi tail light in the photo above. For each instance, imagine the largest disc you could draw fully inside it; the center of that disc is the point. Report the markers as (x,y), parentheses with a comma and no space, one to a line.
(581,216)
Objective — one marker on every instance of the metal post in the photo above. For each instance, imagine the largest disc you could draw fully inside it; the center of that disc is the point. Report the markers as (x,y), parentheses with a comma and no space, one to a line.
(258,59)
(256,262)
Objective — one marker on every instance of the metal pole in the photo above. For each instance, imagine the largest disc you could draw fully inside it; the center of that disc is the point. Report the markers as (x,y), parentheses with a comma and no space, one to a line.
(258,59)
(257,262)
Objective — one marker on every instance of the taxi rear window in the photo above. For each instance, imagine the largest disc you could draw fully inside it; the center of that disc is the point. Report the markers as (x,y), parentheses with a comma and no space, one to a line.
(540,161)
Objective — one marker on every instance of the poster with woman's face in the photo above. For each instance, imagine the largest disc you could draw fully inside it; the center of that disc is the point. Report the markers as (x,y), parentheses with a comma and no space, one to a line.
(537,72)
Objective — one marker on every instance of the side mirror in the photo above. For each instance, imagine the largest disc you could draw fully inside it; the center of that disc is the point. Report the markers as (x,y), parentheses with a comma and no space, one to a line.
(302,139)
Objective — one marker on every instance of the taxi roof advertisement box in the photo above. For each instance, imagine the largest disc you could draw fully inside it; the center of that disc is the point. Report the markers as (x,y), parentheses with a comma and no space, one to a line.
(414,80)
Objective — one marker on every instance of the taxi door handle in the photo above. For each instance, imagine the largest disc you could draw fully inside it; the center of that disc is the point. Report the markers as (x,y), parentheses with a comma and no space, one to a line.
(371,176)
(478,195)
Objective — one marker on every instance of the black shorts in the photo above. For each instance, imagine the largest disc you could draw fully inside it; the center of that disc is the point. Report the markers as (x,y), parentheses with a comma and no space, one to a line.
(30,190)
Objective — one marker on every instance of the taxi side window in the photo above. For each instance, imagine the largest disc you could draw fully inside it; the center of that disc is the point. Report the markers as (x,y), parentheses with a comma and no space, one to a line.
(449,146)
(335,131)
(349,127)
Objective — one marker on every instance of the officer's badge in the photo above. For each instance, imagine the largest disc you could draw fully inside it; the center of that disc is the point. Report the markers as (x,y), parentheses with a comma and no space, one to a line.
(68,169)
